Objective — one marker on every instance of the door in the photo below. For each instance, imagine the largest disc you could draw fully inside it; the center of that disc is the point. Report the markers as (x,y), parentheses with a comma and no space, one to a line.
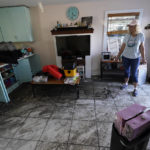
(20,18)
(3,92)
(15,24)
(6,25)
(35,64)
(23,71)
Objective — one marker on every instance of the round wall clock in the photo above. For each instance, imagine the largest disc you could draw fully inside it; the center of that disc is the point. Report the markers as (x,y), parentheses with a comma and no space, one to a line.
(72,13)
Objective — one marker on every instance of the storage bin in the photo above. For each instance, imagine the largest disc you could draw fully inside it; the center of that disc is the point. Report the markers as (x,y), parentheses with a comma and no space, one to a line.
(70,73)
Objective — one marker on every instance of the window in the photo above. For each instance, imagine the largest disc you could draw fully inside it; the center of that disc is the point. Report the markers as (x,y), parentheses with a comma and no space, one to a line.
(116,26)
(117,23)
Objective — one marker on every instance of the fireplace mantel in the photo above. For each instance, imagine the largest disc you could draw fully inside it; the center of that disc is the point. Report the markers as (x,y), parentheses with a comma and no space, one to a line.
(73,31)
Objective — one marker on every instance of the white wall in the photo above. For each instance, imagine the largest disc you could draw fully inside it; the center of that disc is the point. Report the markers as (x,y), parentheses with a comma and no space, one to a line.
(44,22)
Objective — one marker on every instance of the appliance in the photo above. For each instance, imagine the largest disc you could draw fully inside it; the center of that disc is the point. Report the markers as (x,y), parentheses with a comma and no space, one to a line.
(106,56)
(73,45)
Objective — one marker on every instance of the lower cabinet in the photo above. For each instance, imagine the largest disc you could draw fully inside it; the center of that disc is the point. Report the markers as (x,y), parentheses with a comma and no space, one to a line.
(3,92)
(11,76)
(26,68)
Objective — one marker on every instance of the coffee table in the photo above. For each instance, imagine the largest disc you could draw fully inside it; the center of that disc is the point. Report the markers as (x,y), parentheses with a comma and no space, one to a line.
(52,81)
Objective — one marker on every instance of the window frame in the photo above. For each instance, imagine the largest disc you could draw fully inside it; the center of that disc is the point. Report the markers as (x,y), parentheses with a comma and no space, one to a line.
(140,11)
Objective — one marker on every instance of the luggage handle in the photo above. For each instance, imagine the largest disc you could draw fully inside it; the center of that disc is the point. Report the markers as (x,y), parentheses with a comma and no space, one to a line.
(123,143)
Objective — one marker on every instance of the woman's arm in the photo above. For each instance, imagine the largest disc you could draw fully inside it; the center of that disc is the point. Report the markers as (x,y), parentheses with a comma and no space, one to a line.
(121,51)
(142,51)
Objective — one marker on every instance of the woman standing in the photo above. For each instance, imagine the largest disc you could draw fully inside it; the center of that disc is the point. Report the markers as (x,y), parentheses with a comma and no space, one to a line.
(132,51)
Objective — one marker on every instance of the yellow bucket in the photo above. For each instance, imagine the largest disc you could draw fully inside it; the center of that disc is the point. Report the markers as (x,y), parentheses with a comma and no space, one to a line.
(70,73)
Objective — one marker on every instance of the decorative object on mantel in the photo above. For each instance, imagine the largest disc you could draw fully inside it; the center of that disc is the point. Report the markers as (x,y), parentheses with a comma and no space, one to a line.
(87,21)
(147,27)
(74,28)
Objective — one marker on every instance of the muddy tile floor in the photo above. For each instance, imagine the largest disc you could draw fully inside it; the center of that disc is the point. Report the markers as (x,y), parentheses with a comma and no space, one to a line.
(56,120)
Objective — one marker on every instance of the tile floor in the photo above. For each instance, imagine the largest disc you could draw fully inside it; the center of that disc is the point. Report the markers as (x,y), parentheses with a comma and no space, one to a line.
(55,120)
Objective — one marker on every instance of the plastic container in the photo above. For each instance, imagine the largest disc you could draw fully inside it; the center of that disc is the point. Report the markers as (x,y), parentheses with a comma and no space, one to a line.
(118,142)
(70,73)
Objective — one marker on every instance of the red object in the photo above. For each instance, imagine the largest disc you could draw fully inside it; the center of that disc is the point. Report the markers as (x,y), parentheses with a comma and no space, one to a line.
(52,70)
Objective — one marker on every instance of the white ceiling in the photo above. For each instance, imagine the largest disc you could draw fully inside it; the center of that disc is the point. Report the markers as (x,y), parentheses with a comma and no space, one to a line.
(35,2)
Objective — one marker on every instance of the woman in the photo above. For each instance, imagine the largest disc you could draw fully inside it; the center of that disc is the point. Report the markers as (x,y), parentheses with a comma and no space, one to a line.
(132,51)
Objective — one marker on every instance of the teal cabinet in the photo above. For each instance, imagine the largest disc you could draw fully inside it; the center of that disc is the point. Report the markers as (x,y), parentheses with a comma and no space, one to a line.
(1,36)
(27,67)
(3,92)
(15,24)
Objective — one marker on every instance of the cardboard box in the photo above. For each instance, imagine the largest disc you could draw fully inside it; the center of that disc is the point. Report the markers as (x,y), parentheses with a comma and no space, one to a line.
(136,126)
(127,114)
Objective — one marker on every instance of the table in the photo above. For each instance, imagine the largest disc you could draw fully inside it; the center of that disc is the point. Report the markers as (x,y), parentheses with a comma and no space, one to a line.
(115,71)
(52,81)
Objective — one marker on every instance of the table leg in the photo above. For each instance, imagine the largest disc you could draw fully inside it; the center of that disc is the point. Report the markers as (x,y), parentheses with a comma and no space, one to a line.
(33,90)
(101,70)
(77,90)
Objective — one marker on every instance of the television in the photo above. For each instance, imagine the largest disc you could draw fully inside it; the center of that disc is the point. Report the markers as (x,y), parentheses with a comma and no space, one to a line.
(78,46)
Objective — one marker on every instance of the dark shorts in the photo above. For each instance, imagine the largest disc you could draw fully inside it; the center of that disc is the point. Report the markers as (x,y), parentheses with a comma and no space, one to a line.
(131,65)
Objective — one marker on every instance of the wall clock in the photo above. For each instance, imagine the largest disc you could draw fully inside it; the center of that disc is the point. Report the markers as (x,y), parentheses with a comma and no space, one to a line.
(72,13)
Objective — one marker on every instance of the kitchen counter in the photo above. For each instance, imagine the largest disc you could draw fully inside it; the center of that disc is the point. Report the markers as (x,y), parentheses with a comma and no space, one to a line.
(4,64)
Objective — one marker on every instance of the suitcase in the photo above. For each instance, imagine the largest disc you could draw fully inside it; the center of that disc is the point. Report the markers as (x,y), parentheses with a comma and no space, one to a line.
(127,114)
(136,126)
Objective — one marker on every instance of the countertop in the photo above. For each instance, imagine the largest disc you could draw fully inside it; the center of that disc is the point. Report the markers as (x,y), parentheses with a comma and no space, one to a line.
(4,64)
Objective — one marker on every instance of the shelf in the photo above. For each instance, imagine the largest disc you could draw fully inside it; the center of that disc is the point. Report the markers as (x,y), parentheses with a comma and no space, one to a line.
(10,75)
(73,31)
(113,72)
(6,70)
(12,87)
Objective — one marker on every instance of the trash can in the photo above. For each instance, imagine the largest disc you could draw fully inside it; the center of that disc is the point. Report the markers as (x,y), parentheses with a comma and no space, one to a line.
(119,142)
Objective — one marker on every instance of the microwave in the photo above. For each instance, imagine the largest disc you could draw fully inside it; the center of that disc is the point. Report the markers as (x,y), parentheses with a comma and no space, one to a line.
(106,56)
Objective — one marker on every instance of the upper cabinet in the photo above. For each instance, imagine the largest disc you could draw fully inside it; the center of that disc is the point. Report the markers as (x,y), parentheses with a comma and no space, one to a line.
(1,36)
(15,24)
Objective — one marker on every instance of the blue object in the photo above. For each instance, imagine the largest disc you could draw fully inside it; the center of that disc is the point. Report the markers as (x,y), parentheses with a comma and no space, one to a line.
(72,13)
(131,64)
(124,86)
(135,93)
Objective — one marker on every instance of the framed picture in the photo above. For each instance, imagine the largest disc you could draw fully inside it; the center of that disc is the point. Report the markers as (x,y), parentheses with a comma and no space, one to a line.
(87,20)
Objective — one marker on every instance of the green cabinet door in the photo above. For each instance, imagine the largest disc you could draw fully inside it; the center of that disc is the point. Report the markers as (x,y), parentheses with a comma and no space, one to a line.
(1,35)
(3,92)
(20,18)
(35,64)
(23,71)
(6,25)
(15,24)
(26,68)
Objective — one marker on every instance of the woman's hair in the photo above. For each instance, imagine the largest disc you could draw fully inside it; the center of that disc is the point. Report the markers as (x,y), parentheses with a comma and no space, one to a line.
(137,29)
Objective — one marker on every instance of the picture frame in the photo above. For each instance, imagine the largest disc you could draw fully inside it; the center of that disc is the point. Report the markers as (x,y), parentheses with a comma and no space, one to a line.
(88,20)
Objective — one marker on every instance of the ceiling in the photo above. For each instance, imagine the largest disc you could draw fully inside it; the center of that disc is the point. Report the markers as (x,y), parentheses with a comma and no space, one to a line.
(35,2)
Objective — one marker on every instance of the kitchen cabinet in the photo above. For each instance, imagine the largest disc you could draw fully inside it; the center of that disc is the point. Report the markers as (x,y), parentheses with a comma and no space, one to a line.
(3,92)
(8,82)
(11,76)
(15,24)
(1,36)
(27,67)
